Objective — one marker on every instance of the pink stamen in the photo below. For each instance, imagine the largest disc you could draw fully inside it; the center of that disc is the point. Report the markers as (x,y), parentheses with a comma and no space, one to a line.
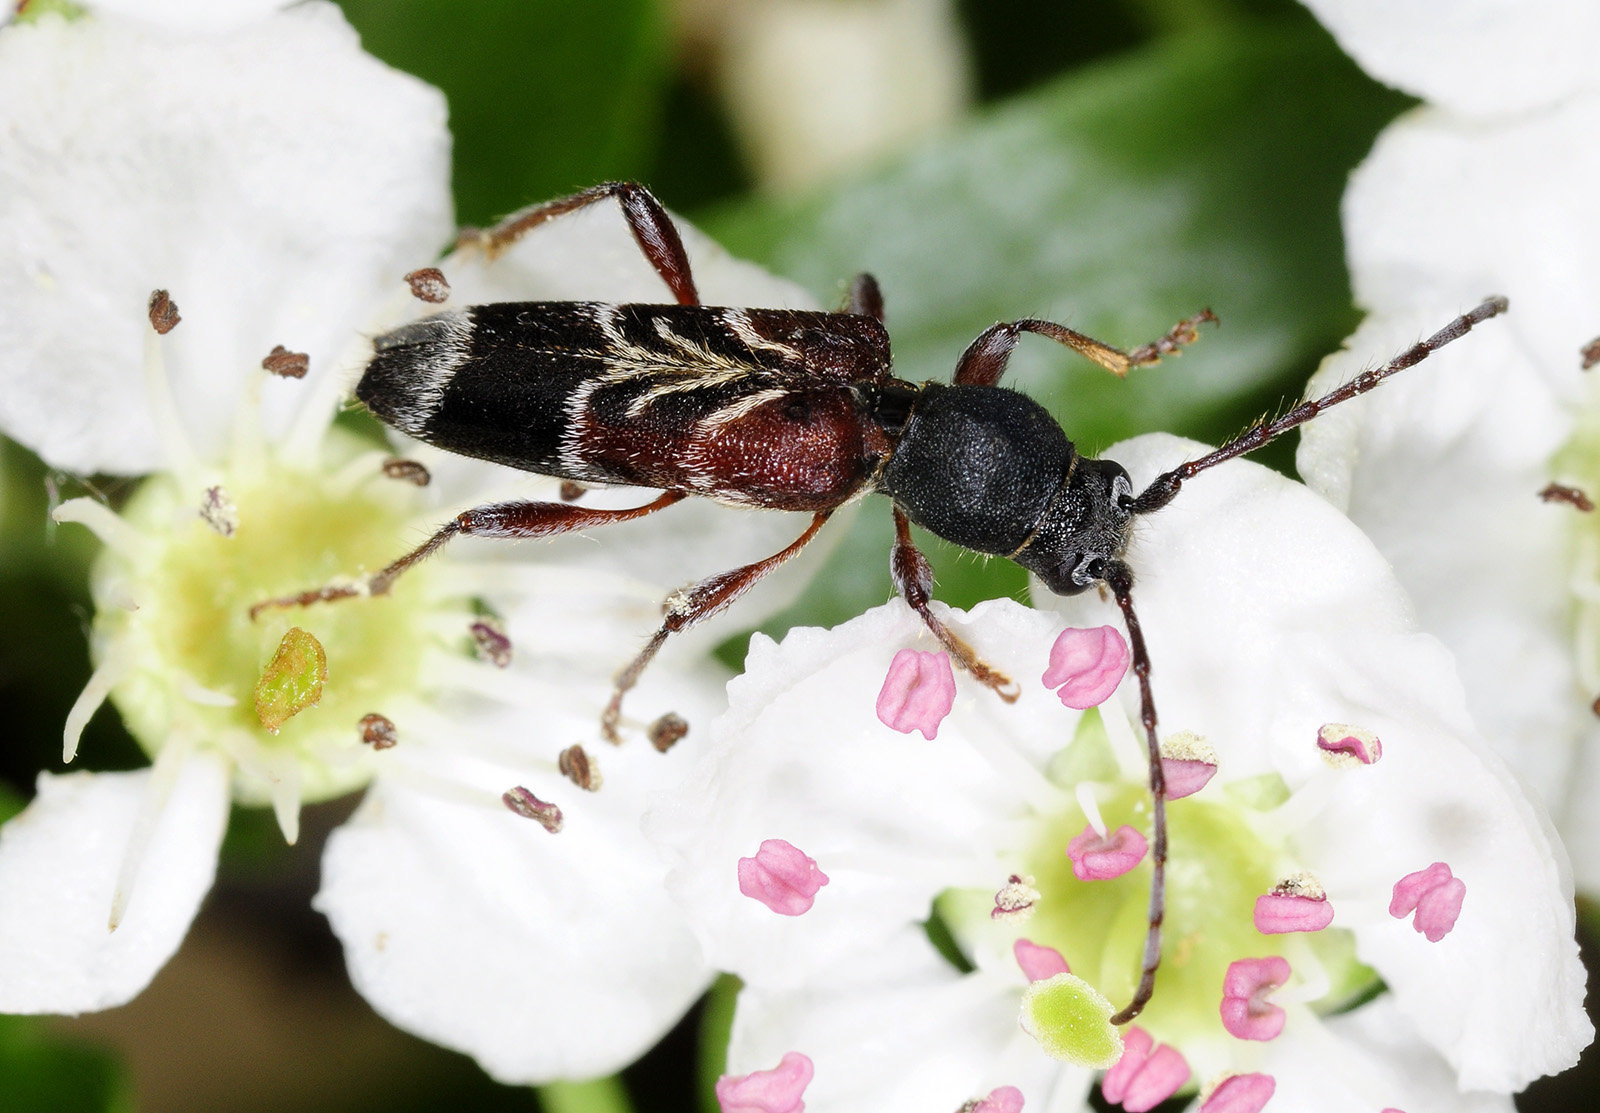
(1145,1076)
(1100,858)
(1296,903)
(1038,962)
(1435,895)
(1086,666)
(1246,1012)
(1002,1099)
(778,1090)
(918,693)
(1240,1093)
(1187,764)
(1343,744)
(781,877)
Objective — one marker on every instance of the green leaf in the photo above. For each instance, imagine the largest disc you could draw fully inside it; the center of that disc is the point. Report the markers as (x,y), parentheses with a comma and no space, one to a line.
(546,96)
(43,1074)
(1203,171)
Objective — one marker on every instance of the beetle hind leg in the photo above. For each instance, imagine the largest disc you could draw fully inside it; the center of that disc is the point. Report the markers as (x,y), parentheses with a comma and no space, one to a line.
(913,579)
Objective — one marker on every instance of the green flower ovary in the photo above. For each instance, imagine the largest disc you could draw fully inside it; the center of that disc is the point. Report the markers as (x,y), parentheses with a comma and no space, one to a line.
(195,587)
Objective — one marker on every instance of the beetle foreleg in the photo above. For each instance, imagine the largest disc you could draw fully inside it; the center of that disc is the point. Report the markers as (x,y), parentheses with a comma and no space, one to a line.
(913,579)
(692,604)
(651,226)
(985,359)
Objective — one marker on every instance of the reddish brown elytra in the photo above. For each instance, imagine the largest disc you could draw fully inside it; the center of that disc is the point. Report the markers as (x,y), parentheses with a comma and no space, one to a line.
(789,410)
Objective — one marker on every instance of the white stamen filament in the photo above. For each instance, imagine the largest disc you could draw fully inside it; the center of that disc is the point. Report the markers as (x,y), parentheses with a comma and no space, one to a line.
(458,578)
(170,433)
(325,392)
(111,672)
(104,523)
(364,468)
(247,448)
(1131,750)
(286,797)
(1310,982)
(164,772)
(1084,791)
(196,692)
(1305,804)
(449,670)
(450,791)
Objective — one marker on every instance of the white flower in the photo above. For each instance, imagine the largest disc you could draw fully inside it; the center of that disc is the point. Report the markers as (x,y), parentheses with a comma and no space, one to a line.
(1489,190)
(1269,619)
(278,182)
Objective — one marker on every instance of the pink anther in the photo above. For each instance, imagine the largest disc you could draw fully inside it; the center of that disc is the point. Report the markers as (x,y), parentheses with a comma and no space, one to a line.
(1240,1093)
(778,1090)
(1038,962)
(1097,857)
(1185,778)
(1435,895)
(781,877)
(1341,743)
(918,693)
(1295,904)
(1246,1012)
(1086,665)
(1146,1075)
(1002,1099)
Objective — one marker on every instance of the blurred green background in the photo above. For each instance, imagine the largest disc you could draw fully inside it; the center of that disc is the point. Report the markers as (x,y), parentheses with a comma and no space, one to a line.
(1115,165)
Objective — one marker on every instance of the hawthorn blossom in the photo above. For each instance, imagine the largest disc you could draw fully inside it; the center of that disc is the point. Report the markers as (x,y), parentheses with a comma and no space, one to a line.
(273,183)
(1489,188)
(953,951)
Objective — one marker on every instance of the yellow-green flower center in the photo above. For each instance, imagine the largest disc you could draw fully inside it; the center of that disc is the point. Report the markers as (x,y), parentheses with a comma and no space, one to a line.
(1219,861)
(194,657)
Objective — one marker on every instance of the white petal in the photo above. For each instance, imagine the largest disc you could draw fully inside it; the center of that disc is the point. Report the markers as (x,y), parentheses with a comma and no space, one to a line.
(276,180)
(1368,1059)
(895,1029)
(1441,468)
(542,955)
(1447,212)
(892,819)
(1268,614)
(59,862)
(190,15)
(1481,57)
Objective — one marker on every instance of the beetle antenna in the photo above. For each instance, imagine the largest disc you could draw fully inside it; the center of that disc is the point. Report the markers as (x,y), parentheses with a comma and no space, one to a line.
(1164,488)
(1119,579)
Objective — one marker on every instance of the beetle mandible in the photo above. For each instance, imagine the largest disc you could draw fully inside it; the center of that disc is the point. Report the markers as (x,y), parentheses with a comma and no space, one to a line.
(790,410)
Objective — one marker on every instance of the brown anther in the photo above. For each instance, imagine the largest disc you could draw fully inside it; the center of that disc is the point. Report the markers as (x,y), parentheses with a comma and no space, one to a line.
(667,731)
(163,312)
(529,806)
(429,285)
(286,364)
(1595,707)
(1572,496)
(1590,353)
(490,640)
(570,491)
(218,511)
(409,470)
(378,731)
(1016,899)
(578,767)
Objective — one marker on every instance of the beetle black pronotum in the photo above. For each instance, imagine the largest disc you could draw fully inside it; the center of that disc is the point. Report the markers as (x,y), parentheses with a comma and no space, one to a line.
(789,410)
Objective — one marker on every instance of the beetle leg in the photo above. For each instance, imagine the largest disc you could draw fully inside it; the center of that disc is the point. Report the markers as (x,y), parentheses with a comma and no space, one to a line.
(985,359)
(501,519)
(651,226)
(866,300)
(692,604)
(913,579)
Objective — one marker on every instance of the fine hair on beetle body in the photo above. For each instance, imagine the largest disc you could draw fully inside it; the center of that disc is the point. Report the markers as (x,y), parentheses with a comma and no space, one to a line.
(790,410)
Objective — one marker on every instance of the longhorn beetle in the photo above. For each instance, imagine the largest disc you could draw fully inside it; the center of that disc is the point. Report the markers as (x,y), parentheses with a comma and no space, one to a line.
(790,410)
